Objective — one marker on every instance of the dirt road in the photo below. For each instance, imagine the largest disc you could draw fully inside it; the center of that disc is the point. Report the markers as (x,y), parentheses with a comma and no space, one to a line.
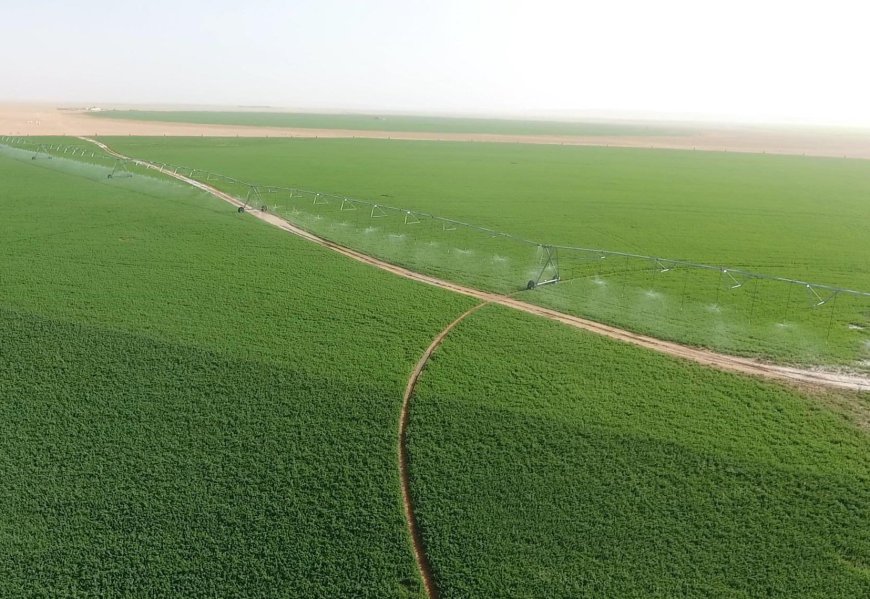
(705,357)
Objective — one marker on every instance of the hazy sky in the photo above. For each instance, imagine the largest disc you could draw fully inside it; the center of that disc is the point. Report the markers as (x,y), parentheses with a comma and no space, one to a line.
(754,59)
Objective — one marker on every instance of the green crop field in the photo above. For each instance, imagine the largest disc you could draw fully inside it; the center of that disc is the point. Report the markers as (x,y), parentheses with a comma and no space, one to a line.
(372,122)
(548,462)
(198,404)
(795,216)
(194,403)
(798,217)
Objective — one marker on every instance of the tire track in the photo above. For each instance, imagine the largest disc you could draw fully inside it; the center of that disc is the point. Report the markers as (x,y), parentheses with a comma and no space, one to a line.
(423,564)
(747,366)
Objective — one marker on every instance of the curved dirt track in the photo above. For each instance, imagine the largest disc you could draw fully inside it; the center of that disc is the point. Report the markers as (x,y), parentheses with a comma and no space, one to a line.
(416,537)
(748,366)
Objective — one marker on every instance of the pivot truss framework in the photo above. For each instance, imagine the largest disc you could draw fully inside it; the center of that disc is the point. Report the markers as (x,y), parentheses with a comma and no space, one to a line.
(548,272)
(47,151)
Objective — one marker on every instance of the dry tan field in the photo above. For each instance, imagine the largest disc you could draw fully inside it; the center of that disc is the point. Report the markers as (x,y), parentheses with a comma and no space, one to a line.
(45,119)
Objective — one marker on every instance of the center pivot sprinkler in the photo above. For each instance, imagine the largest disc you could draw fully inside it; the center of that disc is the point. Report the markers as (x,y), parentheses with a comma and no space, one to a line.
(253,197)
(120,170)
(548,256)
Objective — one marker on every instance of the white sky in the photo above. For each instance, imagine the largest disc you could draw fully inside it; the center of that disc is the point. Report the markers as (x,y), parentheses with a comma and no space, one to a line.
(782,61)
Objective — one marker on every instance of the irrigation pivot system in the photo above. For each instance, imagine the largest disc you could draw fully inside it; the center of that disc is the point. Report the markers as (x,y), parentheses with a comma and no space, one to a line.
(47,151)
(727,308)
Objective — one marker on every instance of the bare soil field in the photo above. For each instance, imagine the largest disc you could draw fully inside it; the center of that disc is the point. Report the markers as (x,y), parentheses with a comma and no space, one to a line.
(36,119)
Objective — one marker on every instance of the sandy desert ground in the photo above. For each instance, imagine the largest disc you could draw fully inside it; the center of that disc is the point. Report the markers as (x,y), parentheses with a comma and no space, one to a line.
(46,119)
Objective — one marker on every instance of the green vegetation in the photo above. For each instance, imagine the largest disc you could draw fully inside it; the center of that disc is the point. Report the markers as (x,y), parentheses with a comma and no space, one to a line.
(372,122)
(194,403)
(548,462)
(198,404)
(799,217)
(794,216)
